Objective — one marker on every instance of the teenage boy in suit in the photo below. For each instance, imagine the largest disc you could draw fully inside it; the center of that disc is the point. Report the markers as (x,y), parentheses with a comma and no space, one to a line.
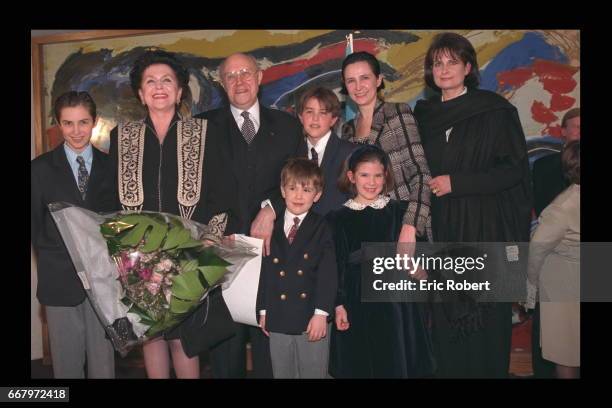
(318,110)
(73,172)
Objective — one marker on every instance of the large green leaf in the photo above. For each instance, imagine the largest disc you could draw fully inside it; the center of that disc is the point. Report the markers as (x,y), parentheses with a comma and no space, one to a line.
(212,273)
(187,286)
(192,243)
(181,306)
(136,234)
(208,257)
(176,236)
(188,265)
(154,238)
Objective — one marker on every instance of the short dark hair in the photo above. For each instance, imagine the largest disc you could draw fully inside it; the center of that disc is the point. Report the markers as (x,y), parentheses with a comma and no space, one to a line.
(570,114)
(72,99)
(362,56)
(459,47)
(303,171)
(570,160)
(326,97)
(157,56)
(364,154)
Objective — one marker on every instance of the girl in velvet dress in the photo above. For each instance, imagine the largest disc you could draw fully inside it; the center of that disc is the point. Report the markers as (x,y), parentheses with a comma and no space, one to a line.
(372,340)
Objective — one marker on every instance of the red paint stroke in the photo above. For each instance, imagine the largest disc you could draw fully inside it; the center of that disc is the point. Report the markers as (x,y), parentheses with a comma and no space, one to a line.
(559,103)
(555,77)
(335,51)
(541,113)
(514,78)
(554,131)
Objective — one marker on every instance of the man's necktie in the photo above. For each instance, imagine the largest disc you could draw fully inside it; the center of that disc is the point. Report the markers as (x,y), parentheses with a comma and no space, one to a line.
(315,156)
(83,176)
(293,230)
(248,128)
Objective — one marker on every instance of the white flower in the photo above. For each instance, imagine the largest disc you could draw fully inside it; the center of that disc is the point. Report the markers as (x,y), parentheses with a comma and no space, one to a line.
(167,264)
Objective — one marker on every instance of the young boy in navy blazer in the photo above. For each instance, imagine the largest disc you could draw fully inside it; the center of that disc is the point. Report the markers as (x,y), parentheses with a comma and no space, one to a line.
(298,280)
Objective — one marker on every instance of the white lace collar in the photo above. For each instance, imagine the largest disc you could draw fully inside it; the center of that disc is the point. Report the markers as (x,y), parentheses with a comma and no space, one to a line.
(380,202)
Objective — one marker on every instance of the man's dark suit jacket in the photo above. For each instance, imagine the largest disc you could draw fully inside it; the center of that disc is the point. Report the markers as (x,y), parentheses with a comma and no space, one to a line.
(257,166)
(336,152)
(52,180)
(296,279)
(548,181)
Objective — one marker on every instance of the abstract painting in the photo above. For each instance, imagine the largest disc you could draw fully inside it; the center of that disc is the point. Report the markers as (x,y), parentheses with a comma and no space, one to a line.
(536,70)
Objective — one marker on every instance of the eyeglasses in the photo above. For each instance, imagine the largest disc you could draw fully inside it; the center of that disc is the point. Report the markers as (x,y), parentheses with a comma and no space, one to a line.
(244,74)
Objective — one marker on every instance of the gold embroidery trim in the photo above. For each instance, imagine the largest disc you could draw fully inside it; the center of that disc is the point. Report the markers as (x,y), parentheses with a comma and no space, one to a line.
(130,152)
(191,140)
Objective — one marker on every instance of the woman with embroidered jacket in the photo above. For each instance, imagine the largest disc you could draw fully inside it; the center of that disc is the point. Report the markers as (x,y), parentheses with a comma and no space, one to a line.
(390,126)
(476,150)
(170,163)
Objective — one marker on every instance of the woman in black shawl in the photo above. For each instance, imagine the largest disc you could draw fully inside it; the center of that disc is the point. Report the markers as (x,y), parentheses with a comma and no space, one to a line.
(476,150)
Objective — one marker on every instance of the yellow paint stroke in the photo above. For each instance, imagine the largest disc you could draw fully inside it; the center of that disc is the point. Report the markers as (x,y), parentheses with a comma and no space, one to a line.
(408,59)
(243,41)
(208,43)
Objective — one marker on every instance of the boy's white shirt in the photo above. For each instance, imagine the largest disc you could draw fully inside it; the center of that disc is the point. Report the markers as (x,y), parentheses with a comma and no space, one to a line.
(320,146)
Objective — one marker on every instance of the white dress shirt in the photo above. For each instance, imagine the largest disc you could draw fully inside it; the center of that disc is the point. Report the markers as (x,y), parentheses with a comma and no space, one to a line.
(253,114)
(319,147)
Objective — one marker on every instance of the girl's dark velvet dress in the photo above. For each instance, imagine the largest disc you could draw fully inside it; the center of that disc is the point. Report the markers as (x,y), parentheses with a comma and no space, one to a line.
(384,340)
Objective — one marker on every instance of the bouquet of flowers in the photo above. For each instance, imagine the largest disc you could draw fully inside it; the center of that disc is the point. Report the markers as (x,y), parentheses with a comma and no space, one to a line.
(145,272)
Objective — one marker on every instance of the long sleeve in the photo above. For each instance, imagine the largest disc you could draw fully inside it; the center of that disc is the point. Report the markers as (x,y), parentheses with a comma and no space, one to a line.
(342,252)
(36,206)
(221,194)
(294,131)
(553,225)
(409,165)
(327,276)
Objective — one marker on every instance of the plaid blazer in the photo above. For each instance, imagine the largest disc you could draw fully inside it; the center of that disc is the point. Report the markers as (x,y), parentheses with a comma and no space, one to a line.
(395,131)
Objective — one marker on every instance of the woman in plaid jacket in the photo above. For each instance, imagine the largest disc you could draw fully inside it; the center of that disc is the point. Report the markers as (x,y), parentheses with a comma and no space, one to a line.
(392,127)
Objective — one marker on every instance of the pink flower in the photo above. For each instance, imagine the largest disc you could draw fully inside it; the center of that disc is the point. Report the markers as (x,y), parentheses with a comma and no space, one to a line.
(129,261)
(145,273)
(153,288)
(156,278)
(166,264)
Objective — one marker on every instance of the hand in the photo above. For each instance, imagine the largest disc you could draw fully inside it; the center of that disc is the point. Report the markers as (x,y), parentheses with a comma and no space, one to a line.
(342,322)
(420,274)
(440,185)
(317,327)
(207,242)
(262,325)
(532,292)
(229,240)
(407,240)
(262,227)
